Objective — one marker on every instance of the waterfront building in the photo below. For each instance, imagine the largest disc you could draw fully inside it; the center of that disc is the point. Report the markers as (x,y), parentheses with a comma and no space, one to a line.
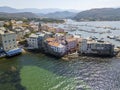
(32,41)
(8,43)
(56,48)
(52,46)
(36,41)
(61,45)
(71,44)
(96,47)
(41,38)
(8,40)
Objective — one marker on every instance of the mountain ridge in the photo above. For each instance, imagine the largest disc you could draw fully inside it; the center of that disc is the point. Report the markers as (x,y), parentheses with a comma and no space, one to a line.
(59,15)
(44,13)
(99,14)
(34,10)
(18,15)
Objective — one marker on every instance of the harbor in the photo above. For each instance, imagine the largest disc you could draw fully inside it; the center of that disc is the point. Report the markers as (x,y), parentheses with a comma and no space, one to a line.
(59,45)
(73,71)
(62,39)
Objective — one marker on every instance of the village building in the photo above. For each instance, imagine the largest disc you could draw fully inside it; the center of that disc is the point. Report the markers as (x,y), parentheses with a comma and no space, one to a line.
(57,48)
(71,44)
(95,47)
(1,23)
(59,30)
(32,41)
(19,34)
(36,41)
(26,32)
(8,42)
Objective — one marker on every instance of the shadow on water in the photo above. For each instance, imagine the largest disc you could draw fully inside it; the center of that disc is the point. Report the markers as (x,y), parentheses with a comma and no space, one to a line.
(10,80)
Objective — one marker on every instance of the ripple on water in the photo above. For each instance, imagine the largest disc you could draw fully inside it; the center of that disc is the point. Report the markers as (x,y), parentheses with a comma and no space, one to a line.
(49,73)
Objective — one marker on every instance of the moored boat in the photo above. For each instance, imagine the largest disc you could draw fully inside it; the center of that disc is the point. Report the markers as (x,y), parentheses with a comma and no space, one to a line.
(13,52)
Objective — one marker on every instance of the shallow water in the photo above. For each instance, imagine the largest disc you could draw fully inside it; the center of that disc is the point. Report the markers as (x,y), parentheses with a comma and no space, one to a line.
(39,72)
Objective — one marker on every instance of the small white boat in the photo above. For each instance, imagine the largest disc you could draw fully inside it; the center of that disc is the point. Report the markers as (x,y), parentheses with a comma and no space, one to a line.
(111,37)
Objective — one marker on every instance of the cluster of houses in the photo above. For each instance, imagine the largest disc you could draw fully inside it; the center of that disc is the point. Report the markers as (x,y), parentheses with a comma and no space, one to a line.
(10,37)
(96,47)
(57,42)
(49,39)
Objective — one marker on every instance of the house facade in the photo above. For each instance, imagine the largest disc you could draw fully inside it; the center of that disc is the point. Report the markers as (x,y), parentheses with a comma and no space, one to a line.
(8,40)
(96,47)
(33,41)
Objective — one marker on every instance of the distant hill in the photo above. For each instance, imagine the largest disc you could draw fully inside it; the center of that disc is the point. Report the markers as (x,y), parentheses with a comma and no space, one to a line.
(8,10)
(103,14)
(59,15)
(48,13)
(34,10)
(43,11)
(18,15)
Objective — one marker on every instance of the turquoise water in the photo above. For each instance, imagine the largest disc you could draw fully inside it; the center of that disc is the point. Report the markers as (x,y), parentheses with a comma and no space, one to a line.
(39,72)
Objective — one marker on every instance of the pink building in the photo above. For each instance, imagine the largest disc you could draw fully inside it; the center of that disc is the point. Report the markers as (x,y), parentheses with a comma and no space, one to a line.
(59,30)
(71,44)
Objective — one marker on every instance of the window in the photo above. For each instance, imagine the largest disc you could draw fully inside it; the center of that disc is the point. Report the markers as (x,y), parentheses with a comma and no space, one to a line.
(5,41)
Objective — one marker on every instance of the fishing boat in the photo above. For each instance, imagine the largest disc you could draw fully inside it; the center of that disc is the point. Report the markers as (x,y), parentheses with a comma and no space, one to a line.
(111,37)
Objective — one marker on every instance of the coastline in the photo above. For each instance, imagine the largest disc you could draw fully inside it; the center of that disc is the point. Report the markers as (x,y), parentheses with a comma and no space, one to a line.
(71,57)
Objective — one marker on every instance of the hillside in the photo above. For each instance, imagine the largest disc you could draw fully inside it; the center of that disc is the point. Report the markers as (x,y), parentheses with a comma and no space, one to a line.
(59,15)
(49,13)
(8,10)
(34,10)
(42,11)
(18,15)
(104,14)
